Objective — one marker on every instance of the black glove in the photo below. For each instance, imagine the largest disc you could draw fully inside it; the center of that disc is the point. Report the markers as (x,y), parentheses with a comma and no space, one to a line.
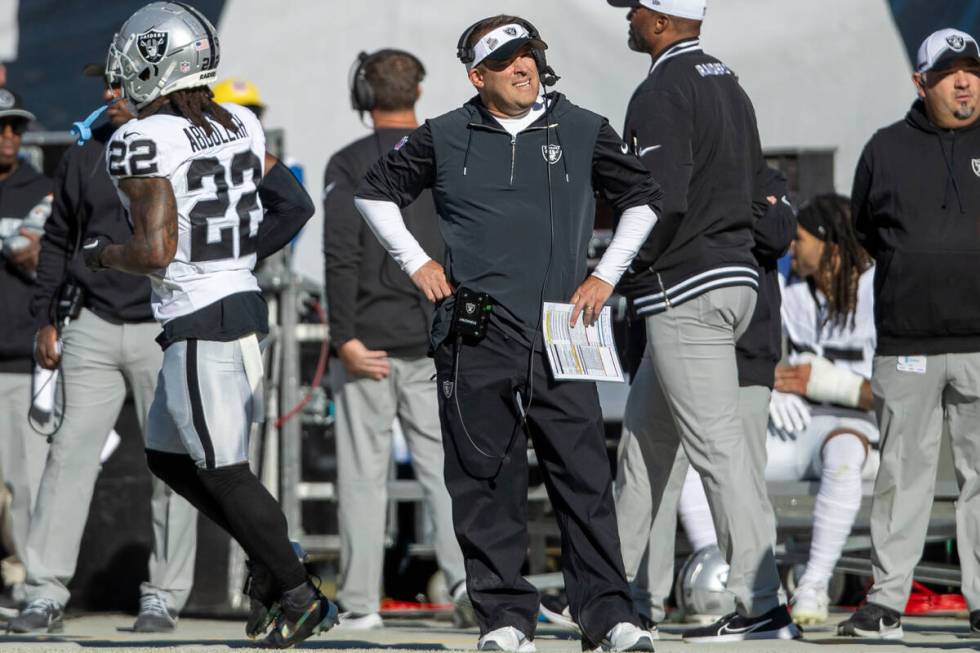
(92,252)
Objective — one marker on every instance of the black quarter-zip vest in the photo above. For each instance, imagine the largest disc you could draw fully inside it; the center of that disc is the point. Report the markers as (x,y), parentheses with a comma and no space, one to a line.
(517,211)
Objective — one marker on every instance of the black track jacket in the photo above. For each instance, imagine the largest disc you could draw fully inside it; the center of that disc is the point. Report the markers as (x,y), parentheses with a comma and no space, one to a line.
(694,127)
(916,207)
(516,213)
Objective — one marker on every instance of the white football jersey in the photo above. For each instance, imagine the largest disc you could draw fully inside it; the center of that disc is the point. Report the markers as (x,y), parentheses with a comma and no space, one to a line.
(215,180)
(804,322)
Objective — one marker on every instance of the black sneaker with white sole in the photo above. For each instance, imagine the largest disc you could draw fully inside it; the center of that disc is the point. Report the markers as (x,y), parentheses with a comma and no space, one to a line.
(775,624)
(873,621)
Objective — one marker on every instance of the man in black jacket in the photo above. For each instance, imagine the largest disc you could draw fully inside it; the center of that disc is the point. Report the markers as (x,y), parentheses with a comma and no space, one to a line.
(647,434)
(695,284)
(915,205)
(514,174)
(379,326)
(23,190)
(108,347)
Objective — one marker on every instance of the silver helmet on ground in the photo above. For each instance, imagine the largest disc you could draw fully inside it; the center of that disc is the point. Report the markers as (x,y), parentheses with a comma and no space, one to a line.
(701,591)
(162,48)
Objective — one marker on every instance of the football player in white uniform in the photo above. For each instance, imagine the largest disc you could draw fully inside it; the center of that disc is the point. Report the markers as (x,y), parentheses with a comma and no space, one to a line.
(821,425)
(205,202)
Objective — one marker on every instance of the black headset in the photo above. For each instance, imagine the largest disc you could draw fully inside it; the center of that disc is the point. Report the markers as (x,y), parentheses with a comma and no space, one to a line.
(362,97)
(466,54)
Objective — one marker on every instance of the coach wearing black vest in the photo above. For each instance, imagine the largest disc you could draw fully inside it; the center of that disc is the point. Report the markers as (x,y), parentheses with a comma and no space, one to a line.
(513,173)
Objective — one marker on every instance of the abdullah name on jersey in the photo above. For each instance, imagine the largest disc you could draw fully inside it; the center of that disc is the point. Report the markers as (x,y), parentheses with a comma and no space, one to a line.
(804,313)
(215,179)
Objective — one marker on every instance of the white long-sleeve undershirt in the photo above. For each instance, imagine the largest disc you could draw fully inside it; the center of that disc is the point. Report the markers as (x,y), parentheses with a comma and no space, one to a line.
(386,221)
(635,225)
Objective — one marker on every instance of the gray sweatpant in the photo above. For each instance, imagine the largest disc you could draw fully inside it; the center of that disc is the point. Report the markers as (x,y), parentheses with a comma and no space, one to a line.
(653,555)
(365,411)
(691,349)
(22,454)
(99,360)
(912,407)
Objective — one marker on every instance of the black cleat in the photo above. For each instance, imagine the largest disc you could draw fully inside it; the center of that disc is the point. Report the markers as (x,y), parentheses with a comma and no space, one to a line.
(39,615)
(775,624)
(263,599)
(874,622)
(320,615)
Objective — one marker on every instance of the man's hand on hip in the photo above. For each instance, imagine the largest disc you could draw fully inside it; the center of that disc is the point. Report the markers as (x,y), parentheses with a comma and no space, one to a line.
(431,280)
(364,362)
(589,299)
(46,348)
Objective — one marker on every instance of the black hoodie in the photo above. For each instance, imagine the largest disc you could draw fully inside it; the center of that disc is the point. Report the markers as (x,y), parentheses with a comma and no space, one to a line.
(19,193)
(916,208)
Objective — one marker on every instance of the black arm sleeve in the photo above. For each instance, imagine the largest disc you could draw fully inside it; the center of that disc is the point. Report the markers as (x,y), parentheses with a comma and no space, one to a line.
(287,207)
(58,242)
(342,225)
(777,228)
(861,205)
(402,174)
(622,178)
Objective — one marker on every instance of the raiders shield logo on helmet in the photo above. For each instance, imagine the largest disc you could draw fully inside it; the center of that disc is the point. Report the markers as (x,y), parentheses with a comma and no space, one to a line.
(152,45)
(551,153)
(956,42)
(976,166)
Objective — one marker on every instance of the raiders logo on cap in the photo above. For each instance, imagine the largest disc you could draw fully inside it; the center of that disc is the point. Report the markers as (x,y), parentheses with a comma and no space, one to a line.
(510,30)
(956,42)
(6,99)
(152,45)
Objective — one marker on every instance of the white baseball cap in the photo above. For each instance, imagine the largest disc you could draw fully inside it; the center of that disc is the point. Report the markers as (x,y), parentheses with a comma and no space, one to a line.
(693,9)
(943,48)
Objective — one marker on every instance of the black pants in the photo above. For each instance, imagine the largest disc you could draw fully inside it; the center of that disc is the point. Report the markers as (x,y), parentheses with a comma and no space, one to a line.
(489,490)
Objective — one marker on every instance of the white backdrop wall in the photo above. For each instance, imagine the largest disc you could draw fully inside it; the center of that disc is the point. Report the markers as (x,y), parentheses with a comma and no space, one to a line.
(821,74)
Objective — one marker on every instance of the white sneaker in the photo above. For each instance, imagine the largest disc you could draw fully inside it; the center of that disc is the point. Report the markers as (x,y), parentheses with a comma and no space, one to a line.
(625,636)
(352,621)
(507,638)
(810,605)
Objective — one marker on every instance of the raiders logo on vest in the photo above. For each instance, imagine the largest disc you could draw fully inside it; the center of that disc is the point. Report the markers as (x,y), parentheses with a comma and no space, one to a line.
(152,45)
(976,166)
(551,153)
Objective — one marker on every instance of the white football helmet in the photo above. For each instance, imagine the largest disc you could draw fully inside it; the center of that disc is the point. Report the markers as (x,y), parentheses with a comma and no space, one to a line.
(162,48)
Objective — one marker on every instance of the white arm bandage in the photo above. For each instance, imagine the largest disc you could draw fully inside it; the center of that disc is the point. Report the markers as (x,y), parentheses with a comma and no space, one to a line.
(831,383)
(635,225)
(388,225)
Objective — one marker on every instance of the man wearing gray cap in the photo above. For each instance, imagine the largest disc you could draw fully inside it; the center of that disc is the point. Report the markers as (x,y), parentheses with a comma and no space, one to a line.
(915,203)
(695,284)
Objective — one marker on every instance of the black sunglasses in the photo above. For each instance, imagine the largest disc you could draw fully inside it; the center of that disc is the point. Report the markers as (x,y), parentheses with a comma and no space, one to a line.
(17,125)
